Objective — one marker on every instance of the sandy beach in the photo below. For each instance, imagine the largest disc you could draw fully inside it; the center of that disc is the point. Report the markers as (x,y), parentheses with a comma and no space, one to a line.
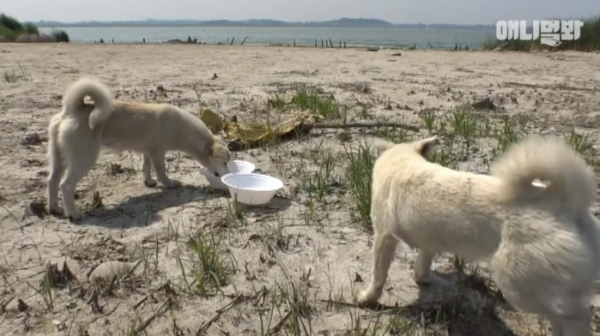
(292,267)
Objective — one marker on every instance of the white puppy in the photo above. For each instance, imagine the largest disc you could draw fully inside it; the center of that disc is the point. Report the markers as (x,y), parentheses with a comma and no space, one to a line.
(77,133)
(541,240)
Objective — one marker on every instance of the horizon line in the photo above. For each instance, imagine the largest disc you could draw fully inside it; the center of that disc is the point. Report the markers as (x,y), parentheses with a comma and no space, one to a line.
(250,20)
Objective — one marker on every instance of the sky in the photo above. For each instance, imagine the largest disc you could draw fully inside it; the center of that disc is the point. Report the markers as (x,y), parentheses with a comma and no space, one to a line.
(395,11)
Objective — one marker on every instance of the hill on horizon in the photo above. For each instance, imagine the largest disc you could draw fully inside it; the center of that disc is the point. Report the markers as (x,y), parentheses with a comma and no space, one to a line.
(339,23)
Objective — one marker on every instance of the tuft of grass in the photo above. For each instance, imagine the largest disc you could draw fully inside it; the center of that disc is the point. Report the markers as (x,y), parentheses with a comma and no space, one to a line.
(11,28)
(12,76)
(211,268)
(60,35)
(317,184)
(582,144)
(429,119)
(321,104)
(277,101)
(9,34)
(588,41)
(359,173)
(30,28)
(11,23)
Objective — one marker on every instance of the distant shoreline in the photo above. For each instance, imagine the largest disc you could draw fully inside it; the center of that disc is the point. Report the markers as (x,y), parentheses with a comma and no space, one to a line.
(341,23)
(45,25)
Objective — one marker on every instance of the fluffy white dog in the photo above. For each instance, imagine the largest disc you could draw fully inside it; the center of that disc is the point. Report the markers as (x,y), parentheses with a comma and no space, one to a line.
(78,132)
(530,219)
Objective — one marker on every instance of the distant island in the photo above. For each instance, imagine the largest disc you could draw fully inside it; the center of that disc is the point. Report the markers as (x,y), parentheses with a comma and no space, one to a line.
(340,23)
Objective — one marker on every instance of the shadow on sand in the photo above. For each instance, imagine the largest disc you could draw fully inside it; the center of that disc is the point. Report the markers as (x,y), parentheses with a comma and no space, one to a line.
(452,304)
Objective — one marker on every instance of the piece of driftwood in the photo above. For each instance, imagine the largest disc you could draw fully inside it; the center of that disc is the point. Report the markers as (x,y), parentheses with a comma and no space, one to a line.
(304,128)
(238,299)
(360,125)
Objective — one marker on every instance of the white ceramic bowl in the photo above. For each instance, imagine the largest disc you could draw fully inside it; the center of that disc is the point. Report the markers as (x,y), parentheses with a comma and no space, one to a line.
(235,167)
(252,189)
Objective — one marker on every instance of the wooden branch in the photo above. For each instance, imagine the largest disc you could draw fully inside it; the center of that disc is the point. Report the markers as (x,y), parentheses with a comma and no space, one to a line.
(279,324)
(150,318)
(360,125)
(166,286)
(220,312)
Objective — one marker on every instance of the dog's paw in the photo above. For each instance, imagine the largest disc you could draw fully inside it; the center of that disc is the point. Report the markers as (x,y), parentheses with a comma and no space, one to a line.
(173,184)
(366,299)
(422,280)
(56,210)
(150,183)
(75,217)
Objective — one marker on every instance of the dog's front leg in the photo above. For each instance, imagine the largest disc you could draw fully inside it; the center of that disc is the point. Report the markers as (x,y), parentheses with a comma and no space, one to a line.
(383,254)
(147,172)
(423,267)
(158,160)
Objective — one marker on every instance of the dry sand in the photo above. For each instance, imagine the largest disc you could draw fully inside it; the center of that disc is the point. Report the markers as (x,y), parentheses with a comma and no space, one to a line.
(285,260)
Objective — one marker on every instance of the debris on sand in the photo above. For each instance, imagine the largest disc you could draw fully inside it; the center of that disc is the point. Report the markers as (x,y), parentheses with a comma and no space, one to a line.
(484,104)
(32,139)
(37,208)
(110,270)
(59,277)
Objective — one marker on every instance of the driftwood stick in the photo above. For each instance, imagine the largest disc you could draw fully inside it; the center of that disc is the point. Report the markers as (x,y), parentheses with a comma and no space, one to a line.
(220,312)
(151,318)
(279,324)
(361,125)
(154,291)
(244,40)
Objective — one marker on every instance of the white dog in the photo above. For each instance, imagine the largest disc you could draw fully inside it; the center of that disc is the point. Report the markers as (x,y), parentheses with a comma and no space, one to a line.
(77,133)
(541,239)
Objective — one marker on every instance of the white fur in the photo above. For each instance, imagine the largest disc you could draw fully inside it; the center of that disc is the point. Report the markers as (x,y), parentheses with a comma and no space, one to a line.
(77,133)
(541,240)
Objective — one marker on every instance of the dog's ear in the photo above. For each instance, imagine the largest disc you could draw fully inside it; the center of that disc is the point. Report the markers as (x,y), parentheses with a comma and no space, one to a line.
(381,145)
(219,140)
(425,146)
(219,149)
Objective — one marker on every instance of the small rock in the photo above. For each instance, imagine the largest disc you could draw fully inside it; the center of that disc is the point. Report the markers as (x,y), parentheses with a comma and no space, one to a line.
(59,325)
(111,269)
(38,209)
(32,139)
(397,54)
(358,278)
(484,104)
(21,306)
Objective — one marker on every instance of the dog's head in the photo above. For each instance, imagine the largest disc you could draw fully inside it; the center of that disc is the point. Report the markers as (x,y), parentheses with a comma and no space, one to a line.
(422,147)
(218,158)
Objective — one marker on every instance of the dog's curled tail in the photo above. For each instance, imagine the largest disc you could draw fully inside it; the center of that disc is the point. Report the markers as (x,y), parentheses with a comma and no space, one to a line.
(569,181)
(98,92)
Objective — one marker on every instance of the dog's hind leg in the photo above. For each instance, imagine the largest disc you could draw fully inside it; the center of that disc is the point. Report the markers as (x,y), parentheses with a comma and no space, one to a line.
(79,163)
(158,160)
(576,325)
(555,323)
(383,254)
(147,172)
(56,171)
(579,327)
(423,267)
